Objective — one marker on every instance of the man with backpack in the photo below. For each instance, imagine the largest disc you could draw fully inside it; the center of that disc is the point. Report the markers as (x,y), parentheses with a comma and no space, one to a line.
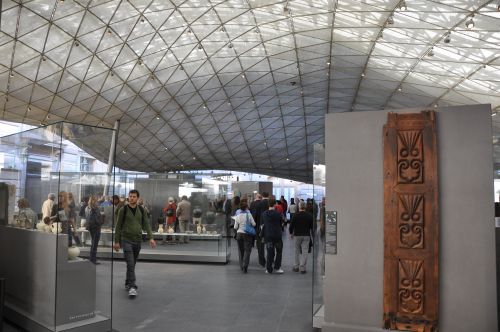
(132,220)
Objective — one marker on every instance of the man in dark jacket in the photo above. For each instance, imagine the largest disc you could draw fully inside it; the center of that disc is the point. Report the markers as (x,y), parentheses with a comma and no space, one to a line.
(259,209)
(272,228)
(132,220)
(301,231)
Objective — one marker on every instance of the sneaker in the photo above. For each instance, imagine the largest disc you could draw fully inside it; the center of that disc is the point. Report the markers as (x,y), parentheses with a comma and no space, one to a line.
(303,271)
(295,269)
(267,272)
(132,292)
(280,271)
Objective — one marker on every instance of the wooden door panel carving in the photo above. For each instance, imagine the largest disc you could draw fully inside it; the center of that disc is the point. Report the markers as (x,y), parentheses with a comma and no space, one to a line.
(411,275)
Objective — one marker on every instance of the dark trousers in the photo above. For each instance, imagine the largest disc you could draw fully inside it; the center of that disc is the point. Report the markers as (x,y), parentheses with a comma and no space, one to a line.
(131,252)
(245,242)
(95,235)
(260,250)
(273,246)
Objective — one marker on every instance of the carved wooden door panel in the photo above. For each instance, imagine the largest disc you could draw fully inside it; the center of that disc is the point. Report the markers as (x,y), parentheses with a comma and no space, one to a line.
(411,222)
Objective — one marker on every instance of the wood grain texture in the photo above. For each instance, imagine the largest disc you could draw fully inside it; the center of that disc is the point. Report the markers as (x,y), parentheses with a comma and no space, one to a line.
(411,222)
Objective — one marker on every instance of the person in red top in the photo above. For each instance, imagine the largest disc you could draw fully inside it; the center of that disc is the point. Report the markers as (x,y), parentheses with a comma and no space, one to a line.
(169,212)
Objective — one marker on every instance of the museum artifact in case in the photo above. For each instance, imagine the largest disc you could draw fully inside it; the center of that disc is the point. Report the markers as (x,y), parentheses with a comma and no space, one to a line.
(51,287)
(411,222)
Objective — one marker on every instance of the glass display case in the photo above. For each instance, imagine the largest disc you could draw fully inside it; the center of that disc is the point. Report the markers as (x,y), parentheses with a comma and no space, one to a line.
(202,236)
(50,285)
(319,181)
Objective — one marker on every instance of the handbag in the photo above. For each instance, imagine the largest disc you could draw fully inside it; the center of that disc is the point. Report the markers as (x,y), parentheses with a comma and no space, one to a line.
(249,229)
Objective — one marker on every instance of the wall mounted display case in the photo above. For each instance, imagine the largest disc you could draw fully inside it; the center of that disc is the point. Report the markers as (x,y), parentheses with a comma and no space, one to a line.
(50,286)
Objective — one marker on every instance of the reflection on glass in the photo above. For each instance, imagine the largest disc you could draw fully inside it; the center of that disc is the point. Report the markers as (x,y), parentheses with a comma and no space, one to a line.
(319,171)
(51,282)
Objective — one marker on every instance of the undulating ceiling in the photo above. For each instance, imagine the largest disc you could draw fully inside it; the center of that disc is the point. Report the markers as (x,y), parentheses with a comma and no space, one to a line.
(239,84)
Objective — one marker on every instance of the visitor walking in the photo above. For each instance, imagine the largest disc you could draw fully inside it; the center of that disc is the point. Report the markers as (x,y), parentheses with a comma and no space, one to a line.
(301,228)
(245,233)
(132,220)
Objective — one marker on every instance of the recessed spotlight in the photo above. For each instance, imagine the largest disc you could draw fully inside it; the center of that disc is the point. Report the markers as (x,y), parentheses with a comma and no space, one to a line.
(11,74)
(431,52)
(435,105)
(402,6)
(243,75)
(143,19)
(390,20)
(230,45)
(29,108)
(166,148)
(447,38)
(124,152)
(48,116)
(469,24)
(328,63)
(194,158)
(139,62)
(222,29)
(400,89)
(44,58)
(157,117)
(77,43)
(362,74)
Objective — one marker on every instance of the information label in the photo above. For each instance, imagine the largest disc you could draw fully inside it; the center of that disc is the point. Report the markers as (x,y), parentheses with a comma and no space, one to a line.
(331,232)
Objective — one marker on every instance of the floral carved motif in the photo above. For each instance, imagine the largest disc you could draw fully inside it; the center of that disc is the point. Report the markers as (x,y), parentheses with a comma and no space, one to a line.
(410,156)
(411,286)
(411,221)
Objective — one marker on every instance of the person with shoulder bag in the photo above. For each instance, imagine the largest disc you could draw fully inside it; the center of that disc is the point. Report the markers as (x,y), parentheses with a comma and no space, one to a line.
(244,225)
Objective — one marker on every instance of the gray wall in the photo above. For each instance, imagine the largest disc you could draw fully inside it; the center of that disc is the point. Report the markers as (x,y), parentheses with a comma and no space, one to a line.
(353,286)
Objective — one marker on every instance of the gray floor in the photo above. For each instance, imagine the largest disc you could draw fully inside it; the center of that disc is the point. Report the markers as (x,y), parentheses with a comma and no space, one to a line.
(207,297)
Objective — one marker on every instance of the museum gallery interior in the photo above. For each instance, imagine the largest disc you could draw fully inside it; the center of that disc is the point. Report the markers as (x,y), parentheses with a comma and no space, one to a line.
(385,110)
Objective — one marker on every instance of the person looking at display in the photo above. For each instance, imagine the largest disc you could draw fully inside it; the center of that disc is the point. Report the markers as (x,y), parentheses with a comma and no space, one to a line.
(301,227)
(132,220)
(184,214)
(61,212)
(93,225)
(47,206)
(169,212)
(27,213)
(243,220)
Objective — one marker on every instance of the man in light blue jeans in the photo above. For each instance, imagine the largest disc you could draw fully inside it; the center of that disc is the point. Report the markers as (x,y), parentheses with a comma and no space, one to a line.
(301,228)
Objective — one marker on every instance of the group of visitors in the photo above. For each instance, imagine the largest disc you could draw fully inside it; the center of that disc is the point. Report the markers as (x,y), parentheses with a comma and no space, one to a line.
(263,224)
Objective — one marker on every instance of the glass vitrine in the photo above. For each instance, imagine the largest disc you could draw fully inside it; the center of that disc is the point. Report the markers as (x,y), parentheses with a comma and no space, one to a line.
(196,235)
(319,235)
(51,286)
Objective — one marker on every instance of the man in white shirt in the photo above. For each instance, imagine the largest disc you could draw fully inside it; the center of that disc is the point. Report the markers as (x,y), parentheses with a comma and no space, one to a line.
(47,205)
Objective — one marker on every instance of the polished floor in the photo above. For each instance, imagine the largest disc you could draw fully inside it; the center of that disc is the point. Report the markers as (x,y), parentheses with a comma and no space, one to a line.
(210,297)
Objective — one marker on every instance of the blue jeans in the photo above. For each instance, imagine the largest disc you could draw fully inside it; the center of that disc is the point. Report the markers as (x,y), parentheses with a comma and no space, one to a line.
(272,246)
(131,252)
(95,235)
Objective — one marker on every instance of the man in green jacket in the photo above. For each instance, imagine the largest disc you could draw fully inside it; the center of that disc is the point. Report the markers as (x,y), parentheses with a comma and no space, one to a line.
(131,221)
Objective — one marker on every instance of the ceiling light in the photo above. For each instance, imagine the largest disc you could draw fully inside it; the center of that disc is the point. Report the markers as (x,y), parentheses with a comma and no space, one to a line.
(230,45)
(469,24)
(181,68)
(447,38)
(166,148)
(293,83)
(139,62)
(157,117)
(11,74)
(286,11)
(29,108)
(435,105)
(48,116)
(109,31)
(44,58)
(189,31)
(204,106)
(243,75)
(142,19)
(287,159)
(400,89)
(124,152)
(256,30)
(402,5)
(77,43)
(222,29)
(390,20)
(431,52)
(200,47)
(194,158)
(328,63)
(362,74)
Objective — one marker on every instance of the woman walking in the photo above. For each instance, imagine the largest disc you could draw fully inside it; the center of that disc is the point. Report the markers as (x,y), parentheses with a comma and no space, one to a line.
(245,233)
(94,223)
